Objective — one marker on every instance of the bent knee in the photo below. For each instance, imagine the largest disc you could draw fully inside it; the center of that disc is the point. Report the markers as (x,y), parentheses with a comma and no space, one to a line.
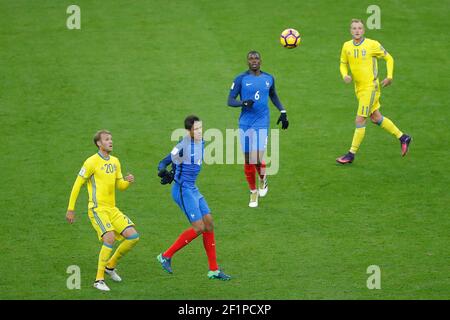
(133,237)
(199,227)
(208,222)
(376,119)
(360,121)
(109,238)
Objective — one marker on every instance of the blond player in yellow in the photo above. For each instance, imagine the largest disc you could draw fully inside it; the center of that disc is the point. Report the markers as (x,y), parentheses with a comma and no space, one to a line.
(103,175)
(361,55)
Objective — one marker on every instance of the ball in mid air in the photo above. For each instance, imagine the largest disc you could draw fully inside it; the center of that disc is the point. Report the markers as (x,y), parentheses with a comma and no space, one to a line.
(290,38)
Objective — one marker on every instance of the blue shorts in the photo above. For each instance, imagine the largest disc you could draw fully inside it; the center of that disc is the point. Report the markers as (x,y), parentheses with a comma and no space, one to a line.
(191,201)
(253,139)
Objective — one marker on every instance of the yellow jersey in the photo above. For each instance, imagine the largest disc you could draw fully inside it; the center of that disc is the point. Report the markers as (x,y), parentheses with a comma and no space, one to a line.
(103,175)
(362,59)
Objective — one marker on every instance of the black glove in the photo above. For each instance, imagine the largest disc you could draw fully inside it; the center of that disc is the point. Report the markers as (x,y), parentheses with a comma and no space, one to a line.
(166,176)
(284,121)
(248,103)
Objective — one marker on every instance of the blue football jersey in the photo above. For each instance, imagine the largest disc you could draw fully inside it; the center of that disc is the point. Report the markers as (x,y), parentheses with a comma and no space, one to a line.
(187,157)
(258,89)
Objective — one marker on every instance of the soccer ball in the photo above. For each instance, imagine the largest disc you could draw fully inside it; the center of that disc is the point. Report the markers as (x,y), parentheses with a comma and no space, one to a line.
(290,38)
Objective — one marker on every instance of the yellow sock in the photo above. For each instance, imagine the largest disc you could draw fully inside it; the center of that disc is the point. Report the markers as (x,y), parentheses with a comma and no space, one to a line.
(390,127)
(358,137)
(105,253)
(123,249)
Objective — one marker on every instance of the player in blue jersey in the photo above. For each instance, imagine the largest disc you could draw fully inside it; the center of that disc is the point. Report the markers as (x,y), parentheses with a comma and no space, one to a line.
(255,87)
(186,160)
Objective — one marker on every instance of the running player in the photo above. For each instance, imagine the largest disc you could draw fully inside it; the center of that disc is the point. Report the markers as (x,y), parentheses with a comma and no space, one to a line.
(361,54)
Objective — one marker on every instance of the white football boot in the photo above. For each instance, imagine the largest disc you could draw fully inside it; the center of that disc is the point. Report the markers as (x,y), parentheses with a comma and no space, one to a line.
(101,285)
(113,274)
(253,199)
(263,187)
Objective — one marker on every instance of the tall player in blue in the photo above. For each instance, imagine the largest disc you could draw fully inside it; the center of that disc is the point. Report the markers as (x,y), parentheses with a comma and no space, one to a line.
(186,159)
(254,88)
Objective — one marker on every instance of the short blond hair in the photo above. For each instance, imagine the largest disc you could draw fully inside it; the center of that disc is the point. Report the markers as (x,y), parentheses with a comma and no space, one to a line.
(356,21)
(98,135)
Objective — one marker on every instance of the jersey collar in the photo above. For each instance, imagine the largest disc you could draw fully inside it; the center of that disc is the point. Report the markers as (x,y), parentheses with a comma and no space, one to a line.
(254,75)
(358,43)
(101,156)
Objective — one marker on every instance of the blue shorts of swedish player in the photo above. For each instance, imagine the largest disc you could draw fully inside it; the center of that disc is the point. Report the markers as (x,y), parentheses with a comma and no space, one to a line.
(190,201)
(253,138)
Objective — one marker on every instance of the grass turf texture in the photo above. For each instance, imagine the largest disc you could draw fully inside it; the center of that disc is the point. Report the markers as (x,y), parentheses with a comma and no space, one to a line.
(138,69)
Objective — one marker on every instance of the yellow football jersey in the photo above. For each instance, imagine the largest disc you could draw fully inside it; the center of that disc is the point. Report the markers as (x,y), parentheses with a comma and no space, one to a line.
(362,59)
(103,175)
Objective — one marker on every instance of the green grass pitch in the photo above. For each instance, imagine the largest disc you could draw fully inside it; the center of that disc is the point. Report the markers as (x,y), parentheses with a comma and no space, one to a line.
(138,69)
